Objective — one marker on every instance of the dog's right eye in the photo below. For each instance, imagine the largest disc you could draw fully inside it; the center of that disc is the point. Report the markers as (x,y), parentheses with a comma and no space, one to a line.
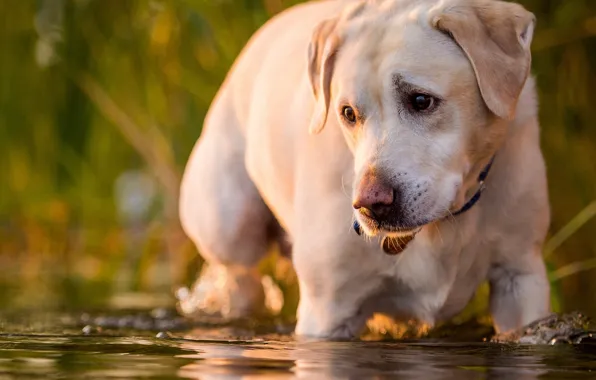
(349,114)
(421,102)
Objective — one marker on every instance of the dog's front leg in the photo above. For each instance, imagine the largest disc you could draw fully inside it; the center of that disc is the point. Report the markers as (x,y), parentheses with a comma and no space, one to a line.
(520,292)
(321,316)
(339,274)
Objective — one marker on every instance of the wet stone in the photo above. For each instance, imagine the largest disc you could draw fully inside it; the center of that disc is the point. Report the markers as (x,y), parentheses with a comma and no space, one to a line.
(89,330)
(556,329)
(164,335)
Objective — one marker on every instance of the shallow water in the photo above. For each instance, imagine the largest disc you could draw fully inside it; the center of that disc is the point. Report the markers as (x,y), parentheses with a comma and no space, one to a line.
(53,346)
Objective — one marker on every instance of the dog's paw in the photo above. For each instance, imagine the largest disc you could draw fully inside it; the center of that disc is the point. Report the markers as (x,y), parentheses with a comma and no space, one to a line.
(225,293)
(508,337)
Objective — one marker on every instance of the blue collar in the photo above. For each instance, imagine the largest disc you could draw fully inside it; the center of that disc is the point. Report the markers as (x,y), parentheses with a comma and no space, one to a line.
(469,204)
(482,186)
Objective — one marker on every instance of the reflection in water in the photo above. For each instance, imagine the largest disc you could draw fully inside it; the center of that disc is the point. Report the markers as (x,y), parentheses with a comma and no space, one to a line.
(28,350)
(413,360)
(374,360)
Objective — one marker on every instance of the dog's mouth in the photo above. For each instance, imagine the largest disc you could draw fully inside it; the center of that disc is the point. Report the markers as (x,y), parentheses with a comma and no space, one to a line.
(396,244)
(395,239)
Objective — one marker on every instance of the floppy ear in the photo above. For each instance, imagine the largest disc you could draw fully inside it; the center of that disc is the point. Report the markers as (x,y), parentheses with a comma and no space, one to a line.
(322,51)
(496,37)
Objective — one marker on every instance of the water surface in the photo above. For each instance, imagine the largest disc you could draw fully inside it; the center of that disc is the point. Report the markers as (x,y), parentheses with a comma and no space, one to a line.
(55,346)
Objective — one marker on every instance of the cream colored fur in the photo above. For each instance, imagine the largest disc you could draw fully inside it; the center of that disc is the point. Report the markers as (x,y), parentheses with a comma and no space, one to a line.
(275,148)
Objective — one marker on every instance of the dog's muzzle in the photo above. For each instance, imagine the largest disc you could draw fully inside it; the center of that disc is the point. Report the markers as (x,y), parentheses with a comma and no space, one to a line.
(394,245)
(391,245)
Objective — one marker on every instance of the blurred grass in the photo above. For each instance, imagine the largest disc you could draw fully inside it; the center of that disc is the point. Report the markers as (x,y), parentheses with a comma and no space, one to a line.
(102,101)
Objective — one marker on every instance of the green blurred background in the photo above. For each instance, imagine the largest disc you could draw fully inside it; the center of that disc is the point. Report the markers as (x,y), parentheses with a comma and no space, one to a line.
(101,102)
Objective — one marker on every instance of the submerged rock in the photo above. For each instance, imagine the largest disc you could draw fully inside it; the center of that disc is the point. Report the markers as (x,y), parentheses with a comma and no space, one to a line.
(572,328)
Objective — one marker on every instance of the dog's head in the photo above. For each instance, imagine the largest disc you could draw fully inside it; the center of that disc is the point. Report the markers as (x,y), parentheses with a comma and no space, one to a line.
(423,91)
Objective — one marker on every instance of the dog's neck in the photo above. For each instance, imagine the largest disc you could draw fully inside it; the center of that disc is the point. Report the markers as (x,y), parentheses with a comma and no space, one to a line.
(481,186)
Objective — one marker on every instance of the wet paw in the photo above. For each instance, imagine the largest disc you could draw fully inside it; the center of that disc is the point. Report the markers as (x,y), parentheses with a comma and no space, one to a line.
(224,292)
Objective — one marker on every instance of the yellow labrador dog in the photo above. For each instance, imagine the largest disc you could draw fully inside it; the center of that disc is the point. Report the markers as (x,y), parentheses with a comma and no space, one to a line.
(391,116)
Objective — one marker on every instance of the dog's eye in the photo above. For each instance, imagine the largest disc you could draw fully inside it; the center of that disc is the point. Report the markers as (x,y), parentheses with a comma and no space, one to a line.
(349,114)
(421,102)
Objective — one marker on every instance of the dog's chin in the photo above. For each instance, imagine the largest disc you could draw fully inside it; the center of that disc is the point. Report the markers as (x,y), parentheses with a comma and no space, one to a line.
(394,240)
(401,232)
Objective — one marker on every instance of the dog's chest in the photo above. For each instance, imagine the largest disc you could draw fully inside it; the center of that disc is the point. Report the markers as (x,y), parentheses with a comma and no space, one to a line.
(436,281)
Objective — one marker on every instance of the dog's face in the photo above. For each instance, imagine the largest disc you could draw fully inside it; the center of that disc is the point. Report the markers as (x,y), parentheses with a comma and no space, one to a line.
(423,91)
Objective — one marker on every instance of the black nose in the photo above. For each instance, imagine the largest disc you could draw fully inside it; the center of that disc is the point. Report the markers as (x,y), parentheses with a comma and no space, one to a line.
(377,211)
(372,192)
(384,211)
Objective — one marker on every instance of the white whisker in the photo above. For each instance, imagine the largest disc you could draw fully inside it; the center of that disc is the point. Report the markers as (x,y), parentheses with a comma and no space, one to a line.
(439,232)
(343,188)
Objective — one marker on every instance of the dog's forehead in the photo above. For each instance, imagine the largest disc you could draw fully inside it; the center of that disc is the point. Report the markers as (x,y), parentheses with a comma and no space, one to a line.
(380,44)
